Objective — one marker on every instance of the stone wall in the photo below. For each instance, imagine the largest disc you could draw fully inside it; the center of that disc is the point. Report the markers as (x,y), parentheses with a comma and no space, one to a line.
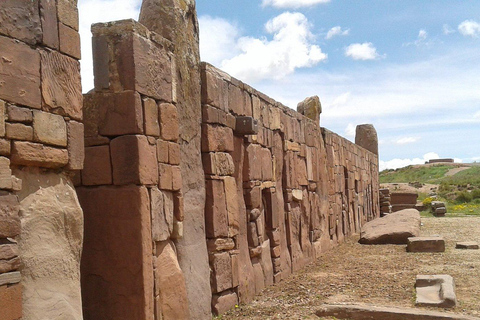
(41,142)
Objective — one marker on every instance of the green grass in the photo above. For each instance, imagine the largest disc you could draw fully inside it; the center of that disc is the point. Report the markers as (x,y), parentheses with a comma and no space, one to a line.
(427,174)
(470,176)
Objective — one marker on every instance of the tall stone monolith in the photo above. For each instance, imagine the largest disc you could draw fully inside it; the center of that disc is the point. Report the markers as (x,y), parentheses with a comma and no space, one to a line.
(176,20)
(366,137)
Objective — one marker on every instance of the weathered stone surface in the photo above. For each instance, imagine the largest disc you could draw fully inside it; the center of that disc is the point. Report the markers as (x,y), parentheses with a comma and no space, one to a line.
(435,291)
(2,118)
(426,244)
(246,126)
(18,131)
(117,275)
(467,245)
(222,271)
(61,85)
(9,219)
(150,111)
(48,17)
(68,13)
(403,198)
(134,160)
(366,137)
(119,113)
(216,138)
(98,168)
(19,69)
(368,312)
(51,267)
(394,228)
(17,114)
(311,108)
(35,154)
(170,283)
(10,265)
(233,212)
(10,278)
(20,20)
(224,301)
(11,302)
(8,250)
(69,41)
(49,129)
(220,244)
(162,207)
(76,145)
(216,215)
(168,122)
(5,147)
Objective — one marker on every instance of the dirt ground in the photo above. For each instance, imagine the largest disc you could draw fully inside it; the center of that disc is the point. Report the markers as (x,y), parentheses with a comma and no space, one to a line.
(405,187)
(381,275)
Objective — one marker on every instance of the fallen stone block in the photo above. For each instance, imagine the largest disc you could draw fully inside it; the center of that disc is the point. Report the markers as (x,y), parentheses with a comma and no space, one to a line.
(394,228)
(435,291)
(467,245)
(368,312)
(426,244)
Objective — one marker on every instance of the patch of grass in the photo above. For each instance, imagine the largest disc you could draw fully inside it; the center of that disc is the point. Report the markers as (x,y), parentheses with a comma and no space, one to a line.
(426,174)
(470,177)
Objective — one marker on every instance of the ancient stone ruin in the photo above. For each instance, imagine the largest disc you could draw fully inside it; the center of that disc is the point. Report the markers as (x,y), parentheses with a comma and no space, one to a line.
(195,191)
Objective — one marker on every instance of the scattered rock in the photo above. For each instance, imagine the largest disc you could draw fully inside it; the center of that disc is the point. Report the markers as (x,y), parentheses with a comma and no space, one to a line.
(435,291)
(467,245)
(426,244)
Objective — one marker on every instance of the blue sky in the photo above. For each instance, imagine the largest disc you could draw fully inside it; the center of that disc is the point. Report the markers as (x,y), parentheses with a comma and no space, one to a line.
(409,67)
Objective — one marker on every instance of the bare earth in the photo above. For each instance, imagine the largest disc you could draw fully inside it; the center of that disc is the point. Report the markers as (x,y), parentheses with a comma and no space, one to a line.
(381,275)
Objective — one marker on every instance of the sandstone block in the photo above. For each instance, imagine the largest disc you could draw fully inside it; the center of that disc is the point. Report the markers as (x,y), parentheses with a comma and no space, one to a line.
(68,13)
(216,215)
(252,169)
(48,16)
(210,114)
(272,215)
(10,278)
(9,219)
(165,172)
(38,155)
(4,147)
(224,301)
(162,210)
(216,138)
(253,197)
(174,153)
(8,250)
(69,41)
(17,114)
(168,122)
(233,211)
(20,20)
(61,85)
(426,244)
(97,168)
(2,118)
(162,151)
(11,302)
(403,198)
(435,291)
(177,232)
(214,88)
(311,108)
(176,178)
(49,129)
(76,145)
(366,137)
(119,113)
(134,160)
(246,126)
(222,271)
(467,245)
(179,211)
(18,131)
(150,111)
(266,164)
(220,244)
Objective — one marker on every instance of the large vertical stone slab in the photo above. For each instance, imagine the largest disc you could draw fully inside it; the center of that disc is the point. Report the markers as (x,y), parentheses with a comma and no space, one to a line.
(177,21)
(50,245)
(117,266)
(366,137)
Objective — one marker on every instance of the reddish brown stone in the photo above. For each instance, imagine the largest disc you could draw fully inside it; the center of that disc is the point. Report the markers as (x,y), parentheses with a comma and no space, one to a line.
(220,244)
(9,219)
(19,69)
(48,17)
(162,151)
(2,118)
(233,211)
(267,164)
(4,147)
(168,122)
(69,41)
(170,283)
(38,155)
(8,250)
(11,301)
(216,215)
(117,275)
(253,166)
(97,168)
(165,172)
(222,271)
(162,206)
(150,111)
(119,113)
(176,178)
(49,129)
(236,102)
(214,88)
(224,301)
(20,20)
(17,114)
(18,131)
(252,235)
(253,197)
(68,13)
(10,265)
(216,138)
(76,147)
(179,210)
(210,114)
(235,270)
(173,153)
(61,86)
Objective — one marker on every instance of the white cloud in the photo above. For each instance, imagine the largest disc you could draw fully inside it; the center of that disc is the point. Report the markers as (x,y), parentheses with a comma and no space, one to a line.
(292,3)
(290,48)
(447,29)
(336,31)
(93,11)
(476,115)
(422,34)
(362,51)
(421,39)
(350,130)
(469,28)
(406,140)
(400,163)
(217,39)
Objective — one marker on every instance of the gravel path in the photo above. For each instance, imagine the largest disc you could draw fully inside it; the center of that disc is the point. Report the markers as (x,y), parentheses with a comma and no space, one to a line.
(382,275)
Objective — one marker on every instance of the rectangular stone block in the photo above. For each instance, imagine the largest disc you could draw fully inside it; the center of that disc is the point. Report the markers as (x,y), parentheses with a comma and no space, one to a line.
(61,85)
(4,147)
(214,87)
(17,114)
(266,164)
(150,111)
(19,68)
(48,17)
(20,20)
(223,302)
(218,163)
(253,197)
(38,155)
(10,278)
(174,153)
(169,125)
(426,244)
(165,172)
(8,250)
(272,212)
(11,302)
(210,114)
(19,131)
(246,126)
(97,168)
(68,13)
(222,271)
(252,168)
(162,211)
(216,216)
(176,178)
(179,210)
(69,41)
(216,138)
(134,160)
(76,146)
(2,118)
(236,103)
(9,219)
(49,129)
(233,210)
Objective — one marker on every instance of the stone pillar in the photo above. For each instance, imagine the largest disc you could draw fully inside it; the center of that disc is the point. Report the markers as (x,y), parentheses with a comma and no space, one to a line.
(41,143)
(366,137)
(176,20)
(311,108)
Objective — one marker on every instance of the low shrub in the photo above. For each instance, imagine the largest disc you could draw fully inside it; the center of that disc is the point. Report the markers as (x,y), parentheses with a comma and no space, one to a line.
(463,197)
